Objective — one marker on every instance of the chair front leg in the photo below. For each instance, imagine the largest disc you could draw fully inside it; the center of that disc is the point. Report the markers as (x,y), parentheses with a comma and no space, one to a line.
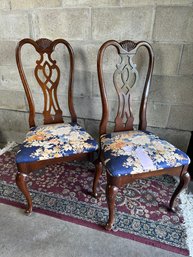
(111,193)
(184,181)
(21,183)
(98,172)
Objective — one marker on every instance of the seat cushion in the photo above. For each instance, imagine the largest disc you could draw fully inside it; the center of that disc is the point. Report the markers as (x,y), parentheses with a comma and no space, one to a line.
(54,141)
(135,152)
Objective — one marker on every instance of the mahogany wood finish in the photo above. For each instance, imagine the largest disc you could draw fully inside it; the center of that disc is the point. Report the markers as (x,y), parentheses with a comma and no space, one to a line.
(126,50)
(45,67)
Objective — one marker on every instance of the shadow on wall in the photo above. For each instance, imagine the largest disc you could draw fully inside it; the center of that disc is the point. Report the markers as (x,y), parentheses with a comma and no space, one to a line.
(190,154)
(2,139)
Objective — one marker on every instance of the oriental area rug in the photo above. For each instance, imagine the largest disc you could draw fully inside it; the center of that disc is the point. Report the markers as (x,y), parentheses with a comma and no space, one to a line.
(62,191)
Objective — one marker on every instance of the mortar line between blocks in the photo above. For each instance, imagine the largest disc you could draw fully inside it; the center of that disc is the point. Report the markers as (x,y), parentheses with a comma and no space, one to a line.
(180,59)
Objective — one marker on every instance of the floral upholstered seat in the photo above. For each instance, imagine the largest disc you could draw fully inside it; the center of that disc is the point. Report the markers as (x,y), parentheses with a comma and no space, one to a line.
(135,152)
(54,141)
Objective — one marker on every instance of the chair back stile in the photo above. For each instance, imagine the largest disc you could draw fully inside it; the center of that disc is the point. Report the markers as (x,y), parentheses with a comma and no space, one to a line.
(46,67)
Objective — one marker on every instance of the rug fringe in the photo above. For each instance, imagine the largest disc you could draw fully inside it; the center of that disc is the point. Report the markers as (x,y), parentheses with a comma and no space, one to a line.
(187,210)
(9,146)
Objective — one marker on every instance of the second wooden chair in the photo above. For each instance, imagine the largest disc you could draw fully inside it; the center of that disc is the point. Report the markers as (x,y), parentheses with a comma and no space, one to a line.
(129,154)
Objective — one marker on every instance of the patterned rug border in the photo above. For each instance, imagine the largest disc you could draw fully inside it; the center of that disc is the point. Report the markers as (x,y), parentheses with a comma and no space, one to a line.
(91,225)
(187,210)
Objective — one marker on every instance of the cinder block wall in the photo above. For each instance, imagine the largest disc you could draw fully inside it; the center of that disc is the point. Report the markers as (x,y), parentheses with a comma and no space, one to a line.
(86,24)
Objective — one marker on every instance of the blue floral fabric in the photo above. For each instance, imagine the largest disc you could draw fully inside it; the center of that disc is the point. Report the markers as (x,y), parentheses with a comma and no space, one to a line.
(136,152)
(54,141)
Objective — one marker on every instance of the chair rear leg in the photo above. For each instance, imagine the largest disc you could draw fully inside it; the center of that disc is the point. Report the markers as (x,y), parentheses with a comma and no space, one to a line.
(111,192)
(184,181)
(21,183)
(98,172)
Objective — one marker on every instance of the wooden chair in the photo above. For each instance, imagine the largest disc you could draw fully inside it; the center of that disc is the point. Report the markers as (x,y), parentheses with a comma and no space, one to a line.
(129,154)
(55,141)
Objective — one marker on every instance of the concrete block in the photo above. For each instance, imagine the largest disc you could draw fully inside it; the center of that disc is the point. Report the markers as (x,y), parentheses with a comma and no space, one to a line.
(91,3)
(110,89)
(4,5)
(173,23)
(178,138)
(121,23)
(92,127)
(86,107)
(38,118)
(186,65)
(23,4)
(7,53)
(9,79)
(157,114)
(10,136)
(167,58)
(75,23)
(14,25)
(154,2)
(29,56)
(38,101)
(13,100)
(86,55)
(13,126)
(32,82)
(82,84)
(181,117)
(172,90)
(12,120)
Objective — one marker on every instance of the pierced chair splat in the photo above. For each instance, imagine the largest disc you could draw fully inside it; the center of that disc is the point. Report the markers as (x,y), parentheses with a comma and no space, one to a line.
(54,141)
(129,154)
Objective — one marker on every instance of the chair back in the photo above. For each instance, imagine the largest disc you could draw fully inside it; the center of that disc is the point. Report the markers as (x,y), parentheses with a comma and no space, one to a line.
(125,78)
(47,73)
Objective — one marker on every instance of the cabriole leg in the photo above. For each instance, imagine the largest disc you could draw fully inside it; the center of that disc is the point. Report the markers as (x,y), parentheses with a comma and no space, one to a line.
(184,180)
(98,172)
(21,183)
(111,192)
